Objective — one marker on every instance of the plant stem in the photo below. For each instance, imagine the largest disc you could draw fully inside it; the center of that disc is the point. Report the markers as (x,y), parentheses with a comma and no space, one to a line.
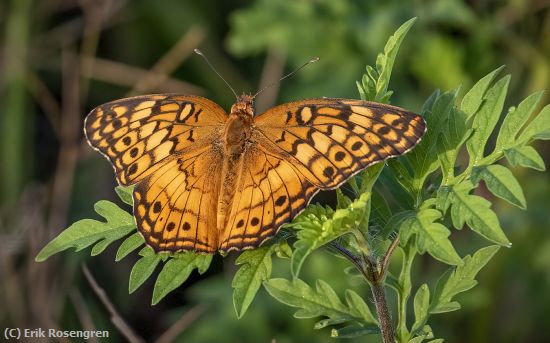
(369,267)
(376,280)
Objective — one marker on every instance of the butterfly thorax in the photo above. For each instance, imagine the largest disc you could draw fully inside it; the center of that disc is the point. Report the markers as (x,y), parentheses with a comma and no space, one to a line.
(236,135)
(237,128)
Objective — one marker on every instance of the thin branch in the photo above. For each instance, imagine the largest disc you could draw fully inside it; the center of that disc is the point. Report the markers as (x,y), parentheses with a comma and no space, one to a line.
(357,262)
(125,75)
(68,152)
(94,13)
(116,319)
(181,324)
(45,98)
(387,256)
(273,70)
(169,62)
(83,313)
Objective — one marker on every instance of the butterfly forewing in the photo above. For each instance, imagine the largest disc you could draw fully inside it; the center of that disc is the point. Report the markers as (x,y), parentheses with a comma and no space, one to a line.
(139,134)
(329,140)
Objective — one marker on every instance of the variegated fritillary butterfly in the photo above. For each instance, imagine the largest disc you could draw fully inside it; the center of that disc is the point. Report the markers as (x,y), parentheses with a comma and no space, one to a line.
(208,181)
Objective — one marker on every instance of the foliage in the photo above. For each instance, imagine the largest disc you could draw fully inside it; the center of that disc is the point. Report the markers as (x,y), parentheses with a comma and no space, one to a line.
(439,193)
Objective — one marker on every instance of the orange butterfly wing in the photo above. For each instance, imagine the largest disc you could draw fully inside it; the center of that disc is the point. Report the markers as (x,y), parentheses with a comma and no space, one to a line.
(301,147)
(170,146)
(329,140)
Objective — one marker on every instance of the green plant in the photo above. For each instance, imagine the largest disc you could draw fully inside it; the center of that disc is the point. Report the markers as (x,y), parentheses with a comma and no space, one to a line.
(434,190)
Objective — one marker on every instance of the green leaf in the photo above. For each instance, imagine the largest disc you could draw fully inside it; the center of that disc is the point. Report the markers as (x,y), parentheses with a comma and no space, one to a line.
(430,236)
(423,158)
(421,307)
(501,182)
(128,245)
(450,140)
(255,268)
(321,301)
(538,128)
(459,279)
(86,232)
(385,61)
(176,271)
(142,270)
(374,84)
(318,226)
(422,334)
(476,212)
(473,99)
(515,119)
(358,307)
(125,194)
(486,118)
(525,156)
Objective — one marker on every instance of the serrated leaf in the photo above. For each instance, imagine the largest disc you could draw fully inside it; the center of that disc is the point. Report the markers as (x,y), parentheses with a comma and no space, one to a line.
(486,118)
(374,83)
(385,61)
(125,194)
(423,158)
(86,232)
(540,124)
(430,236)
(459,279)
(100,246)
(525,156)
(452,137)
(318,229)
(358,307)
(255,268)
(176,271)
(515,119)
(429,103)
(319,302)
(476,212)
(473,99)
(421,307)
(128,245)
(142,270)
(422,334)
(501,182)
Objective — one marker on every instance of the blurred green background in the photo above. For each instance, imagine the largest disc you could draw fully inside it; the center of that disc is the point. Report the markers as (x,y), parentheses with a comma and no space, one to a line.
(61,58)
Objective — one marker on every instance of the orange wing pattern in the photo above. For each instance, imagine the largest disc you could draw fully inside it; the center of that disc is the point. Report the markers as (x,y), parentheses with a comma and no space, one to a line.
(302,147)
(269,193)
(175,208)
(169,145)
(329,140)
(138,135)
(172,147)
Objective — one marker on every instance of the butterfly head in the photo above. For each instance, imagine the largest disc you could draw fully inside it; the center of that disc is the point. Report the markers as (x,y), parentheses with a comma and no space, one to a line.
(244,107)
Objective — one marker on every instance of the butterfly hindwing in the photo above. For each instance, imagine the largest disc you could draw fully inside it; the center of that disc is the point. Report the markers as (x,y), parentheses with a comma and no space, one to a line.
(139,134)
(175,208)
(269,193)
(329,140)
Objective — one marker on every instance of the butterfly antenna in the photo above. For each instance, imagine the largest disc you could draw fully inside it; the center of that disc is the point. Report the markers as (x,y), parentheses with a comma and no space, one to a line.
(198,52)
(313,60)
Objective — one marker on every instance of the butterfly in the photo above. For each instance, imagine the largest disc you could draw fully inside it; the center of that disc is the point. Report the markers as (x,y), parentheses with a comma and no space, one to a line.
(208,181)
